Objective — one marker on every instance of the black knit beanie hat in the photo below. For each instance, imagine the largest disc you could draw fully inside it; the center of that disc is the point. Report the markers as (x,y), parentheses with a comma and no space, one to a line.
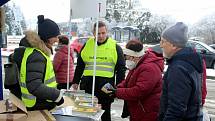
(47,28)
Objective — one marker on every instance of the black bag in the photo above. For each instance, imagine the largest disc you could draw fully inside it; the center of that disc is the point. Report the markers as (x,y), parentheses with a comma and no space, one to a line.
(125,112)
(11,74)
(11,80)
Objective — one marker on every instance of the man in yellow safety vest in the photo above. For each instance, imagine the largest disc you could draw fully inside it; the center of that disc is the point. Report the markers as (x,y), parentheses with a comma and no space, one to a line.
(109,62)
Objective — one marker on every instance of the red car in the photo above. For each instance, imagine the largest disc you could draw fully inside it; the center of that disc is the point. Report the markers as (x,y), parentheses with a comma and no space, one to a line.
(78,43)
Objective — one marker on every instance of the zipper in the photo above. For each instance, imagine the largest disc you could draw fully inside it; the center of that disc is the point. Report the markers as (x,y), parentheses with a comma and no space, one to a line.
(142,107)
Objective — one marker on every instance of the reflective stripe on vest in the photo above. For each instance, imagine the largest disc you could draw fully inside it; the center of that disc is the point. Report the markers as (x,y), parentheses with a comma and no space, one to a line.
(49,80)
(106,58)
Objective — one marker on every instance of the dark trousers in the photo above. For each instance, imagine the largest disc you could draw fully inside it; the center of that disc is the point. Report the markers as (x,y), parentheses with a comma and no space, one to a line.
(63,85)
(104,99)
(107,114)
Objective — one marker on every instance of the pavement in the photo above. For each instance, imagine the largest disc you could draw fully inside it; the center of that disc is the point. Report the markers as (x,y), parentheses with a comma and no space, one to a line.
(116,110)
(210,73)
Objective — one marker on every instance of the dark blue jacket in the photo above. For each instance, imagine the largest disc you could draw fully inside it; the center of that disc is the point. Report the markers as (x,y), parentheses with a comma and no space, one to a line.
(2,2)
(181,95)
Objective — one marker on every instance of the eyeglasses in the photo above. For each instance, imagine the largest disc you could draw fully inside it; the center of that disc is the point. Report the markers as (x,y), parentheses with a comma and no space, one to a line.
(128,57)
(162,41)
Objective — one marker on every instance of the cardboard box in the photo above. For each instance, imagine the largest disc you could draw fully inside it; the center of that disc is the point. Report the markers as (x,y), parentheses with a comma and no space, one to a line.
(18,112)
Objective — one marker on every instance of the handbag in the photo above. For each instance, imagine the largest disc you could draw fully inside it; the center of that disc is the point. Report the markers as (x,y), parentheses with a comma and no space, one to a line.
(11,74)
(11,79)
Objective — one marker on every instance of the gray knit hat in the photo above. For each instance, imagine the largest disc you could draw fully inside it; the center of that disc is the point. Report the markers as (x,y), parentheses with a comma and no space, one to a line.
(176,34)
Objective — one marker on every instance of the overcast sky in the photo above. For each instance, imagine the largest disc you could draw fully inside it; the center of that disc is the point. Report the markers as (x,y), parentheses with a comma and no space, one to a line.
(188,11)
(58,10)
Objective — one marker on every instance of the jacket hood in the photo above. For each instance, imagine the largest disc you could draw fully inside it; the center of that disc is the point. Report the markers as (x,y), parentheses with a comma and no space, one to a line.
(151,56)
(32,39)
(190,56)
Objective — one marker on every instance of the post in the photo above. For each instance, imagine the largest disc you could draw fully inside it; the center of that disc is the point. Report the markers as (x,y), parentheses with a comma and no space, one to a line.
(1,41)
(95,53)
(1,83)
(70,37)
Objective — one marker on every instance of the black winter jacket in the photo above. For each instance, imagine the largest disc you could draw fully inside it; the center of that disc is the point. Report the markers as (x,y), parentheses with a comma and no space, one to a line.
(35,71)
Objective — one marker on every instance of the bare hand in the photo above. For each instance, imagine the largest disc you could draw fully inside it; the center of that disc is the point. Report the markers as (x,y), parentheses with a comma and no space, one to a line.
(74,87)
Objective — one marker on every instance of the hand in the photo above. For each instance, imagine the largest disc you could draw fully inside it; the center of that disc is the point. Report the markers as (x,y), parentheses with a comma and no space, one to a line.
(74,87)
(107,88)
(60,102)
(112,90)
(112,93)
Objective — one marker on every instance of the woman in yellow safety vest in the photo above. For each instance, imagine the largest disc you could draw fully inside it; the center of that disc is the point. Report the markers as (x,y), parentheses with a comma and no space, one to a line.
(37,78)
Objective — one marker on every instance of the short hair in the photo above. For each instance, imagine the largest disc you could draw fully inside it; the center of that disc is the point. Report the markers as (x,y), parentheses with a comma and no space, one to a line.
(134,45)
(100,24)
(63,39)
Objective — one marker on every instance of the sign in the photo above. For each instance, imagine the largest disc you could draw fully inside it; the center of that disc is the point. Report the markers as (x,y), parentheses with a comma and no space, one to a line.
(87,8)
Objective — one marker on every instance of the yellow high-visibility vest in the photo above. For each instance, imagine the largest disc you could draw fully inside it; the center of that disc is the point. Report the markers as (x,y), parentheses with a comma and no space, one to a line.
(106,58)
(49,80)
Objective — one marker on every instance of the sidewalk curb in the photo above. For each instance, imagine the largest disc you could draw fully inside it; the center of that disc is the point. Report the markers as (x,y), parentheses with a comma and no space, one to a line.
(210,77)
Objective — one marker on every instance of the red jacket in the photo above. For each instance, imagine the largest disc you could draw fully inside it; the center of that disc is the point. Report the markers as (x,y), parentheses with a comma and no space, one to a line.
(142,88)
(204,86)
(60,63)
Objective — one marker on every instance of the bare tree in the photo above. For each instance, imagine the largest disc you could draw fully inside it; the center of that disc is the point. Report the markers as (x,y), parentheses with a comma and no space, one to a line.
(159,23)
(123,11)
(205,29)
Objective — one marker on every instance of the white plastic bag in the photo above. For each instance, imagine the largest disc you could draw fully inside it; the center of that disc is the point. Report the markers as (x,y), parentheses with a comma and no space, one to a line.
(206,116)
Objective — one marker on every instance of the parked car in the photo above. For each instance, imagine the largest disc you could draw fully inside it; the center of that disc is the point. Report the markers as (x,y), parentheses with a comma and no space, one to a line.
(205,50)
(213,46)
(156,48)
(78,43)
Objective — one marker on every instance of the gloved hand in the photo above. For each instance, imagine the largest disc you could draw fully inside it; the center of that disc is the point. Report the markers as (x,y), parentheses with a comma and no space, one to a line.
(105,88)
(60,102)
(112,92)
